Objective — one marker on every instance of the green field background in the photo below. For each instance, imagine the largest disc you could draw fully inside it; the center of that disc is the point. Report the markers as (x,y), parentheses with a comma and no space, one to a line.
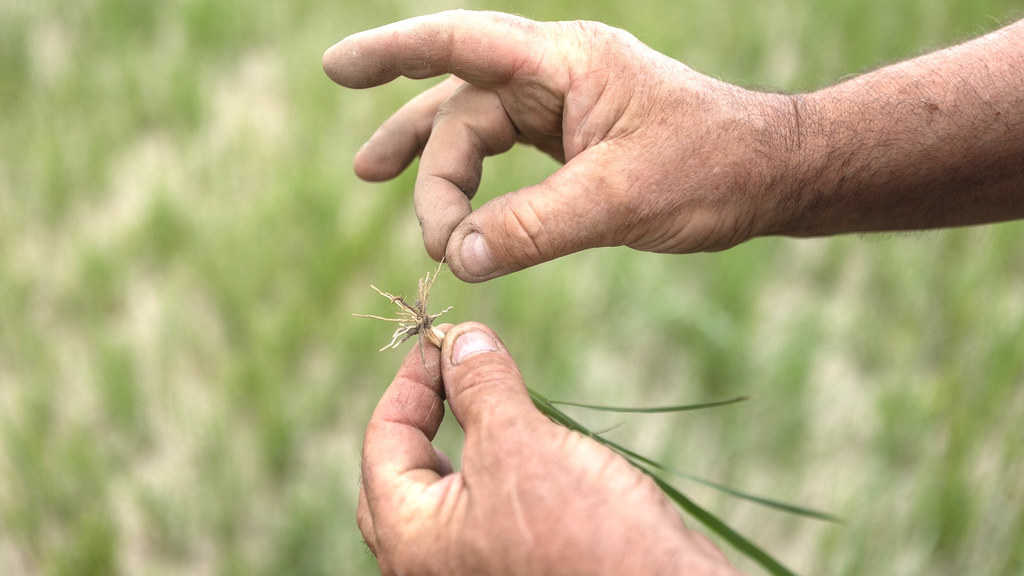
(182,243)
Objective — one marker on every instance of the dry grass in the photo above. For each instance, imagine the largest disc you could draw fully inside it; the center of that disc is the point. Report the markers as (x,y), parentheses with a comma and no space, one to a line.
(413,319)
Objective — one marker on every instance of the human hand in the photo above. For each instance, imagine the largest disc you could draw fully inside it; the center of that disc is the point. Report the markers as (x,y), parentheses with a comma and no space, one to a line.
(532,498)
(657,157)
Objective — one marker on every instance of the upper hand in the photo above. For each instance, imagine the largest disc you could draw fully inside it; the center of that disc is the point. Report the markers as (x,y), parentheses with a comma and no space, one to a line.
(657,156)
(532,498)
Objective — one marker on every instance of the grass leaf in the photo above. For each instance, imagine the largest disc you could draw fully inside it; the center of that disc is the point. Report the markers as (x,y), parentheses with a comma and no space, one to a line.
(712,522)
(655,409)
(558,416)
(652,468)
(770,503)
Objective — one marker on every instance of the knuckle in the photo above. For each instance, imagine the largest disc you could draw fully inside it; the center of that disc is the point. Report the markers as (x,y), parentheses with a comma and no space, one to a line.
(590,36)
(527,236)
(478,115)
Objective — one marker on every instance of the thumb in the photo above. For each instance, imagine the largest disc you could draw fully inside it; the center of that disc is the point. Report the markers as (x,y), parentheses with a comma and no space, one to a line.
(582,205)
(482,382)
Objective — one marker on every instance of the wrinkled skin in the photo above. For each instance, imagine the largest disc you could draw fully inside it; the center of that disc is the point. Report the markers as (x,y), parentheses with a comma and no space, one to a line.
(657,156)
(531,498)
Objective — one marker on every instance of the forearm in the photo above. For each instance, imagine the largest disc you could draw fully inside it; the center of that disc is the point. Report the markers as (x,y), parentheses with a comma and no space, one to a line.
(931,142)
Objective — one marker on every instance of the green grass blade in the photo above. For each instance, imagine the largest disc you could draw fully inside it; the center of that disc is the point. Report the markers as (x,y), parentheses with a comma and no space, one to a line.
(551,411)
(709,520)
(768,502)
(655,409)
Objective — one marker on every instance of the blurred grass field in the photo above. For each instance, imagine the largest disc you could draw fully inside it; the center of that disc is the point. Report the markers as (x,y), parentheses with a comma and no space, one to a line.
(182,242)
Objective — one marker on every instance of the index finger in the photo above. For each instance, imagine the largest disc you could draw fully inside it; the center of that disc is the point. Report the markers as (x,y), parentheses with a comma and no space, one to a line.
(397,453)
(483,48)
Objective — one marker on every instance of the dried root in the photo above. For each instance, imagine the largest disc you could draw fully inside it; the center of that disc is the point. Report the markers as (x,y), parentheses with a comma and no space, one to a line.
(413,320)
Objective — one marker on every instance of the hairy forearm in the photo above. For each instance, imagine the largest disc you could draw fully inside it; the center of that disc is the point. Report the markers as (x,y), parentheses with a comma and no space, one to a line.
(931,142)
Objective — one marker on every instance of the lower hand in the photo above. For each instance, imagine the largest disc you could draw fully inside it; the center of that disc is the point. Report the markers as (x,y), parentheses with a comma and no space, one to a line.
(532,498)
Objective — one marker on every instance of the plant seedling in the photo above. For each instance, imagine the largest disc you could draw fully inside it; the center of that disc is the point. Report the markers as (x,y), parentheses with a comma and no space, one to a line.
(413,319)
(416,320)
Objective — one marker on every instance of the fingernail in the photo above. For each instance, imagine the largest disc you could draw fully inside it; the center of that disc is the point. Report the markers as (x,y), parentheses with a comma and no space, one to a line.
(470,343)
(475,256)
